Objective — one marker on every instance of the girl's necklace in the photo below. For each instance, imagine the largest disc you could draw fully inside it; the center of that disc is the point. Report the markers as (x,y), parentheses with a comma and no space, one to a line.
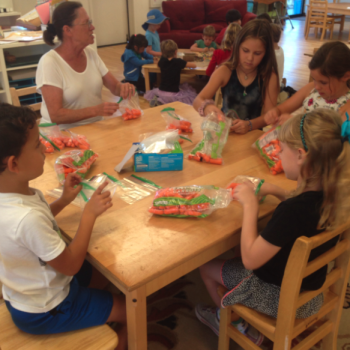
(246,75)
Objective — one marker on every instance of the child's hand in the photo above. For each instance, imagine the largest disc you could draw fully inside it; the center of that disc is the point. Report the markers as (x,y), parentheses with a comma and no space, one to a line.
(155,59)
(283,118)
(70,188)
(205,49)
(245,194)
(271,117)
(239,126)
(212,49)
(99,202)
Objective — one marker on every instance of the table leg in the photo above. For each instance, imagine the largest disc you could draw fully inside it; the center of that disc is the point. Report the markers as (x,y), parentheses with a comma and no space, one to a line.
(147,83)
(137,319)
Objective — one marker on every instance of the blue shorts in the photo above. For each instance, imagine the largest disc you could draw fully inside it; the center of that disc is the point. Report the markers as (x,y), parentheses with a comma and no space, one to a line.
(83,307)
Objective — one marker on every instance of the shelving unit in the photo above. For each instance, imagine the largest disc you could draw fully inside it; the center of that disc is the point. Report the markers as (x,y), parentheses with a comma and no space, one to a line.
(27,56)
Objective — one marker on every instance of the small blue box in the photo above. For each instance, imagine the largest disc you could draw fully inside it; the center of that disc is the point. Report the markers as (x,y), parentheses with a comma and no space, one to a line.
(159,162)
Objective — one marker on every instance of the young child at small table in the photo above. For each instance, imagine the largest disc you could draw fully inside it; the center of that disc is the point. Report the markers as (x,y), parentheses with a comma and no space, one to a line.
(134,57)
(207,43)
(223,54)
(232,16)
(48,287)
(154,20)
(310,143)
(170,89)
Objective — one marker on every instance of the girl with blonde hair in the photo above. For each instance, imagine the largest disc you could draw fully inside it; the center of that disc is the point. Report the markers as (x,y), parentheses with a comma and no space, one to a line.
(316,154)
(222,55)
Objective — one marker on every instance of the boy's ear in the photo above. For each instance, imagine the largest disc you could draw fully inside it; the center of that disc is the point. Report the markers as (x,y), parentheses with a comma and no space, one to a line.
(12,164)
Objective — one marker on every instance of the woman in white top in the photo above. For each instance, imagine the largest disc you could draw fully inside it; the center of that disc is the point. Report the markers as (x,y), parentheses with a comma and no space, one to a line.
(71,76)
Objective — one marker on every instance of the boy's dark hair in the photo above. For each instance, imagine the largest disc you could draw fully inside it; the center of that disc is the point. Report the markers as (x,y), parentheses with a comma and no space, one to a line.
(232,16)
(264,16)
(15,123)
(63,15)
(138,40)
(332,60)
(276,32)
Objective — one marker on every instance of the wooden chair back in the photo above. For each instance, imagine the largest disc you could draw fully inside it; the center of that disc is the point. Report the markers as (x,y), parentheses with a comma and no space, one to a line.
(94,338)
(17,93)
(286,327)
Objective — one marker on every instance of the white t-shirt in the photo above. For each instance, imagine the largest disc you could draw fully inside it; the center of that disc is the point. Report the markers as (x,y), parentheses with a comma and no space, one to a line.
(280,62)
(80,90)
(29,237)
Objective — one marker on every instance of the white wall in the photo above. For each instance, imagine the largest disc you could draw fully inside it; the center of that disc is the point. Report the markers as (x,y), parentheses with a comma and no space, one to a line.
(23,6)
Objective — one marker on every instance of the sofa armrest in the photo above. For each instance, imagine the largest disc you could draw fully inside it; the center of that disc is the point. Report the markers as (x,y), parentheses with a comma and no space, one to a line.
(248,17)
(165,27)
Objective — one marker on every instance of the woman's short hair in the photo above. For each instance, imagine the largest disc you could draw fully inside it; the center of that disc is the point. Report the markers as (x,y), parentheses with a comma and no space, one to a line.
(64,15)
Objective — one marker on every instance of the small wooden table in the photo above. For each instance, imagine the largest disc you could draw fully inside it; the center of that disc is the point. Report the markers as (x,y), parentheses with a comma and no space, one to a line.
(153,68)
(141,253)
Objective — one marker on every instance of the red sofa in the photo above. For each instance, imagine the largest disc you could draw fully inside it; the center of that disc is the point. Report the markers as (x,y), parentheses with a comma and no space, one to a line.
(187,19)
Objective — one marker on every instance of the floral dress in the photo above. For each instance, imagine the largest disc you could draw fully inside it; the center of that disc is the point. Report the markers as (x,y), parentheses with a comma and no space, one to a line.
(315,100)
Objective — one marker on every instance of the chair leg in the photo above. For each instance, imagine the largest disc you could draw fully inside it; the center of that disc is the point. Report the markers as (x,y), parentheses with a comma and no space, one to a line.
(225,320)
(342,21)
(323,32)
(330,341)
(331,34)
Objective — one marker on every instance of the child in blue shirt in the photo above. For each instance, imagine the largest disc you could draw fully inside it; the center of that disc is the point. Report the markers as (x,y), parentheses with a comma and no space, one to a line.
(207,43)
(134,58)
(154,20)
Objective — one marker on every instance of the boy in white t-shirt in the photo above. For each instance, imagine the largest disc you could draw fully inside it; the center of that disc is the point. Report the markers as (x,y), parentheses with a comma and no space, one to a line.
(45,282)
(276,35)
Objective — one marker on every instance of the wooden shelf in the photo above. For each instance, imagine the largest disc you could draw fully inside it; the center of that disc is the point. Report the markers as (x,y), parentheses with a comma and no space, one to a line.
(10,14)
(22,67)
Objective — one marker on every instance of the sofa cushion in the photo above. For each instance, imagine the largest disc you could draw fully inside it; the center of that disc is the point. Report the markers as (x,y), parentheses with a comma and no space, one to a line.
(215,11)
(200,29)
(183,14)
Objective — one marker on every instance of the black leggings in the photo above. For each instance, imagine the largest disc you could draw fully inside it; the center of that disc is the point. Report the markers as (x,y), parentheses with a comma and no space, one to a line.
(139,84)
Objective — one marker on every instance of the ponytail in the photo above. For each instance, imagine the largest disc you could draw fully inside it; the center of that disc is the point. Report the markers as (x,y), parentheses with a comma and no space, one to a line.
(138,40)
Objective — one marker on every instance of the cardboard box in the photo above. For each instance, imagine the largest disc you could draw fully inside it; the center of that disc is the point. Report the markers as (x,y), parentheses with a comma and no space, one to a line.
(172,161)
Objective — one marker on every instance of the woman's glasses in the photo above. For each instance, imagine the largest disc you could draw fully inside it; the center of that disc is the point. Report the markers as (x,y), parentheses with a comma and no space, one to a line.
(88,23)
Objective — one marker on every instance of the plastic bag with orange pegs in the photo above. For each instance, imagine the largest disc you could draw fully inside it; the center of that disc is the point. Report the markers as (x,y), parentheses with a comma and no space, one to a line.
(130,108)
(75,161)
(174,121)
(269,148)
(52,137)
(189,201)
(216,128)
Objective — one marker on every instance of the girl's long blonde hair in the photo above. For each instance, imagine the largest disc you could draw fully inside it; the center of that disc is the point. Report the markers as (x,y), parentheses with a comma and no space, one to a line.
(257,29)
(327,161)
(230,36)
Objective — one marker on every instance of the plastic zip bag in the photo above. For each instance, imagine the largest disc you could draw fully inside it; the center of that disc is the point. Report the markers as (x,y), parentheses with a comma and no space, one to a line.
(88,189)
(240,179)
(269,148)
(216,128)
(159,142)
(174,121)
(51,137)
(130,108)
(75,161)
(134,188)
(190,201)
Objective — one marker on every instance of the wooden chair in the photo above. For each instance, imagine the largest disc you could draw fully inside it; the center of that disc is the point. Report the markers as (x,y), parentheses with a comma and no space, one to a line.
(94,338)
(317,17)
(285,328)
(341,19)
(17,93)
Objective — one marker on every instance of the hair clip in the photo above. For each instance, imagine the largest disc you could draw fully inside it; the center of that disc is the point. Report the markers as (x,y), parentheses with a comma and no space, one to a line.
(345,129)
(302,132)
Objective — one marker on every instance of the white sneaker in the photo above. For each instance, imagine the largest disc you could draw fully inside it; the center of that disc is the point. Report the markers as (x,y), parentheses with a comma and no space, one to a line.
(249,331)
(207,315)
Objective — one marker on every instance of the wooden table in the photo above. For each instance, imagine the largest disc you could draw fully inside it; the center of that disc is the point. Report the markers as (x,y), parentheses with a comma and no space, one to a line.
(153,68)
(140,253)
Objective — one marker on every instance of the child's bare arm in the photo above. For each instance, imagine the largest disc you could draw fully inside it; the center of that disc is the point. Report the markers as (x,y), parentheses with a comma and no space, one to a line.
(151,52)
(191,65)
(256,251)
(273,190)
(70,191)
(71,259)
(195,48)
